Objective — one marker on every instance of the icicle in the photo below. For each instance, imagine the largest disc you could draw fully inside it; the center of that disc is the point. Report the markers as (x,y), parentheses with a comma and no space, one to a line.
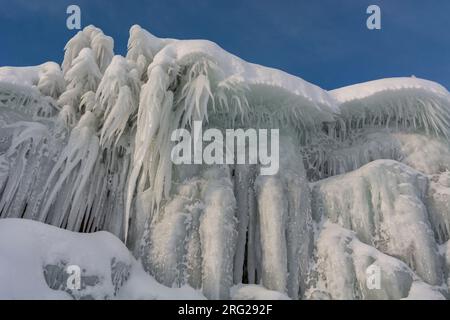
(117,119)
(72,171)
(102,46)
(73,48)
(245,198)
(67,116)
(218,233)
(83,76)
(272,223)
(118,74)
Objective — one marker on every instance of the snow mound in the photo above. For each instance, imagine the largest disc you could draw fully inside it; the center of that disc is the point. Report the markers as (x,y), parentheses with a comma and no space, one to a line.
(255,292)
(422,291)
(34,258)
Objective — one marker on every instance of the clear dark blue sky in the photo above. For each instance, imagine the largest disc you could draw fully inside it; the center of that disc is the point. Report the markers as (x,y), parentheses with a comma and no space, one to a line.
(323,41)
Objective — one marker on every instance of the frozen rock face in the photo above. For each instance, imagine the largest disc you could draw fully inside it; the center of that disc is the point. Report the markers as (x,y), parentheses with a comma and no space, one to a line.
(439,204)
(363,172)
(383,203)
(341,268)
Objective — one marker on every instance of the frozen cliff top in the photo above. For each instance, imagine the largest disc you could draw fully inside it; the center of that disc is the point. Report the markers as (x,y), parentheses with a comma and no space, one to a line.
(161,51)
(46,78)
(27,75)
(397,102)
(367,89)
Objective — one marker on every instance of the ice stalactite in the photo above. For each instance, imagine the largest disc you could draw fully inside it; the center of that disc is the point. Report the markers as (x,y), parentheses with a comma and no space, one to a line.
(146,158)
(174,96)
(285,224)
(27,101)
(438,200)
(193,240)
(83,76)
(67,116)
(218,233)
(120,73)
(403,103)
(102,47)
(272,222)
(162,109)
(142,48)
(427,154)
(246,214)
(73,48)
(369,110)
(178,231)
(167,248)
(66,183)
(31,150)
(299,226)
(81,182)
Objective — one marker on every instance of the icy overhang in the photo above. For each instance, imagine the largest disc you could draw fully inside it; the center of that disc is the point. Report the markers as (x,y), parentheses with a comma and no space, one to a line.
(408,103)
(401,84)
(178,52)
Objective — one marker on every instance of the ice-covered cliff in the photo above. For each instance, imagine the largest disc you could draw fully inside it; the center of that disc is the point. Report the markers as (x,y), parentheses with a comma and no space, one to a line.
(363,178)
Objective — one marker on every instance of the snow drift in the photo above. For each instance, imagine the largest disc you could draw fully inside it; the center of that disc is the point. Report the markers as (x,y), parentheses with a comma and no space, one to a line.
(363,176)
(36,266)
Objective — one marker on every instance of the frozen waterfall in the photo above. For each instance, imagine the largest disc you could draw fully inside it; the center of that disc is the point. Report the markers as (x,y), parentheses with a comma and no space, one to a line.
(363,180)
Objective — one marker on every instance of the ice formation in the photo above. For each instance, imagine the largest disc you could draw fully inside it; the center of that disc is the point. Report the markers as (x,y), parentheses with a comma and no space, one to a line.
(363,181)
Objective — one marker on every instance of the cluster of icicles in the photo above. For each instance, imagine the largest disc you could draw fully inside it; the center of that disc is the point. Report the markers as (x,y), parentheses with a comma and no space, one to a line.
(89,149)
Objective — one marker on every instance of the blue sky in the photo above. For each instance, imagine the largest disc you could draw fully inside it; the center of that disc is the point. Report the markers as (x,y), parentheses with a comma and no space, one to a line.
(325,42)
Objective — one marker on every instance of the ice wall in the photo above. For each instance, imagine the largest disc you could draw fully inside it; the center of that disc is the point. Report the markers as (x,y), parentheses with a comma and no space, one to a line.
(362,179)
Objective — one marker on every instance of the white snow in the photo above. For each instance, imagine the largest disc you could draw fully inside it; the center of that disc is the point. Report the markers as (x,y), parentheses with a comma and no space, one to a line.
(423,291)
(255,292)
